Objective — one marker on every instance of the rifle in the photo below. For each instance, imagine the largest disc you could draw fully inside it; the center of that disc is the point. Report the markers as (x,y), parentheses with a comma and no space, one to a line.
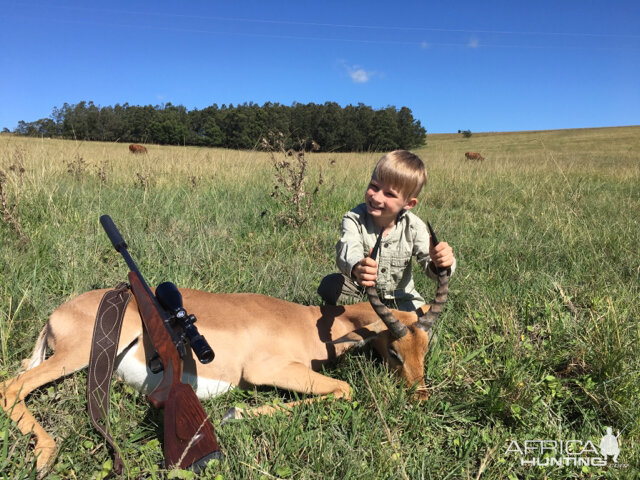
(189,438)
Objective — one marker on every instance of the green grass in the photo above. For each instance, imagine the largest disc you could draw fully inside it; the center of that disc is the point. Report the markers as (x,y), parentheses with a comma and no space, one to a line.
(539,339)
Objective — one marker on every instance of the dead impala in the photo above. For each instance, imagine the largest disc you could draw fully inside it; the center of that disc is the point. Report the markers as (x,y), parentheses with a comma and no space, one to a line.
(258,340)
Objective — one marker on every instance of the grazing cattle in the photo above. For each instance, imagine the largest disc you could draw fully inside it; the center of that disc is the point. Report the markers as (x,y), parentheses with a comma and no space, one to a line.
(135,148)
(473,156)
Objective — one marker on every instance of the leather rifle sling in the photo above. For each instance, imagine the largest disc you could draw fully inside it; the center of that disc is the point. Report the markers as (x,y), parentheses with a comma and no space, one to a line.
(104,346)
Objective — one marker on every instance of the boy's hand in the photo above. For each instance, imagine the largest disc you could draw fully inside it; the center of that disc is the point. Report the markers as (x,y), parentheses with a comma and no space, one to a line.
(441,255)
(366,271)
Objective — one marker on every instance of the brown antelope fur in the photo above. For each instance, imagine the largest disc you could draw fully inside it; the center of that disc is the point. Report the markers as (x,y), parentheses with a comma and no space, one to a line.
(257,340)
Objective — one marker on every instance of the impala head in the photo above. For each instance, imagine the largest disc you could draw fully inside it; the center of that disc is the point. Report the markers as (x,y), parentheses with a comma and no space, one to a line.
(402,338)
(405,356)
(405,343)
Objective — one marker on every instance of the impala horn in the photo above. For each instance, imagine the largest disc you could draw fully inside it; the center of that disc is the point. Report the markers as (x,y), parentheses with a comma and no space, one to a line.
(426,321)
(397,328)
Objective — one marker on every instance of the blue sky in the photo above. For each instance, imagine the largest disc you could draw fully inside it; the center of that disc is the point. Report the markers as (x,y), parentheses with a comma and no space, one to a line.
(483,66)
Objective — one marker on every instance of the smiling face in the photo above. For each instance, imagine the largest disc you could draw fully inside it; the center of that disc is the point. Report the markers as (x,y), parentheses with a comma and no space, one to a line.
(385,202)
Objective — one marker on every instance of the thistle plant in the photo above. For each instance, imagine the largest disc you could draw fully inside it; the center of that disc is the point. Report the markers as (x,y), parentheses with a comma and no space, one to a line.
(292,190)
(10,202)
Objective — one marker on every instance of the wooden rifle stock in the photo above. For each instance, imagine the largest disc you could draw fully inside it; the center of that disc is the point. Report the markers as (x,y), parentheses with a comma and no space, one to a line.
(189,438)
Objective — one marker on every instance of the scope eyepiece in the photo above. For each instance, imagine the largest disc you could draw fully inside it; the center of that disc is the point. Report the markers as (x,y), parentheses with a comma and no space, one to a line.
(198,343)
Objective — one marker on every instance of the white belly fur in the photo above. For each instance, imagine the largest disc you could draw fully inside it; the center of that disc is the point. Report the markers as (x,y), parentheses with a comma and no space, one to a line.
(140,377)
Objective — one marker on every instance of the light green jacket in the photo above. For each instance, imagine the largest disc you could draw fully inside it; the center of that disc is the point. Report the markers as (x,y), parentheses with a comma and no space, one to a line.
(409,238)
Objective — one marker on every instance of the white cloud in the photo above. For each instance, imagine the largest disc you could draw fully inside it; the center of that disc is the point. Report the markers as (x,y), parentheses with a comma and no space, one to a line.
(360,75)
(357,73)
(474,43)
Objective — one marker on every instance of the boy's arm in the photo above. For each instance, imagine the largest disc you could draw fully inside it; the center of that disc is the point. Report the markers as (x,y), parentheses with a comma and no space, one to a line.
(421,244)
(349,249)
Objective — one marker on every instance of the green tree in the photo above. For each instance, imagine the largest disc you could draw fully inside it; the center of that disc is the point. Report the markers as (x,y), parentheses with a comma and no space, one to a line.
(330,123)
(384,135)
(410,133)
(334,128)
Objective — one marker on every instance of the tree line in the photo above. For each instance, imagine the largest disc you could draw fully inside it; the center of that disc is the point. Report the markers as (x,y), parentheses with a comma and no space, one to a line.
(332,127)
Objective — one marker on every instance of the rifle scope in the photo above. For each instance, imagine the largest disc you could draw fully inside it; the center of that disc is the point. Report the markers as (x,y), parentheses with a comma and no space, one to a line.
(170,298)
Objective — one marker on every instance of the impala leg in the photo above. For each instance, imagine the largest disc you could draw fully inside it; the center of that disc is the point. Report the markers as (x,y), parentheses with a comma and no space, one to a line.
(295,377)
(14,391)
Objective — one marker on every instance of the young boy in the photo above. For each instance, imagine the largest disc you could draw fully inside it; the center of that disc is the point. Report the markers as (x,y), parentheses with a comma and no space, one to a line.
(392,192)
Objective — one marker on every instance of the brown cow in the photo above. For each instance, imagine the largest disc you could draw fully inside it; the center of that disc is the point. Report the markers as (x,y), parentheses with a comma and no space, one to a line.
(473,156)
(135,148)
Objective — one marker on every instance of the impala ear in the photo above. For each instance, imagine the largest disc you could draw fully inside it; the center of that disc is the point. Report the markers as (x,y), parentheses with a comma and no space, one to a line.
(362,335)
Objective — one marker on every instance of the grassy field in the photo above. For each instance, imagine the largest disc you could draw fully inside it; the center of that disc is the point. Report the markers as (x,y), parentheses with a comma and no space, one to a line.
(539,340)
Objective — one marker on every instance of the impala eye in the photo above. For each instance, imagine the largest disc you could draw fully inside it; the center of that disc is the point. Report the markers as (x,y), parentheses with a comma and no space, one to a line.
(395,355)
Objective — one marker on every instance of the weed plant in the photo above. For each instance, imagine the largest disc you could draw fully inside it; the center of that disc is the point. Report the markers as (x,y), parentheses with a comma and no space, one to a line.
(290,189)
(539,339)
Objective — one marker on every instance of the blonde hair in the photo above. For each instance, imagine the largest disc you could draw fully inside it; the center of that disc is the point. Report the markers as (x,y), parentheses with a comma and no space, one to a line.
(403,171)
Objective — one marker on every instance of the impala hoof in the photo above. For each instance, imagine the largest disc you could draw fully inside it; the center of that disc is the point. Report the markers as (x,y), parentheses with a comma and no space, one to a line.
(234,413)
